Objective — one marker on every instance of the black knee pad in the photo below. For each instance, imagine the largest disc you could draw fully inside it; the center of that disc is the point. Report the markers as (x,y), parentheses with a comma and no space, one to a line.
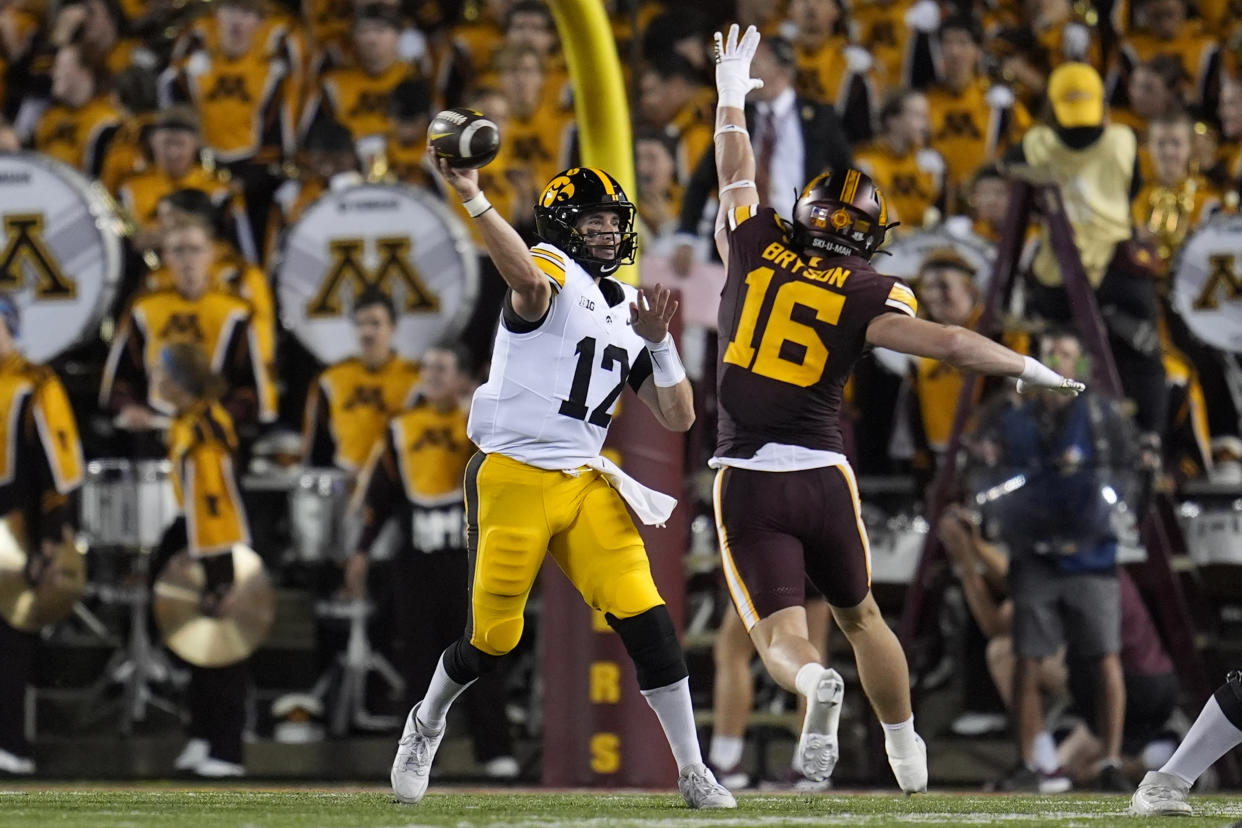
(1229,697)
(651,640)
(465,662)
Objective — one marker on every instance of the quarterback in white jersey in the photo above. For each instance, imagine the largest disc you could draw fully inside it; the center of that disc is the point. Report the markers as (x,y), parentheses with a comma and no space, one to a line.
(554,386)
(571,338)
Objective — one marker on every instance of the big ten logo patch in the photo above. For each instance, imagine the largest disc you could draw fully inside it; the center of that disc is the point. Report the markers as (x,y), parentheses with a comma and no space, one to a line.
(347,269)
(1222,282)
(25,254)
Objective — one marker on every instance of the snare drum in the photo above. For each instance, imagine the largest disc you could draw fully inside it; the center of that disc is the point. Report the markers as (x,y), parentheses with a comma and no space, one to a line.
(318,503)
(127,503)
(1213,534)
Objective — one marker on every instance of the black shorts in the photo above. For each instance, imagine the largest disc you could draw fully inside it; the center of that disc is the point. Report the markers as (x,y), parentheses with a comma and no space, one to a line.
(780,529)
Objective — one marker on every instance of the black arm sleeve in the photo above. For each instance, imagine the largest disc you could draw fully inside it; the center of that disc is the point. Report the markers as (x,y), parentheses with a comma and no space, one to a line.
(514,322)
(640,370)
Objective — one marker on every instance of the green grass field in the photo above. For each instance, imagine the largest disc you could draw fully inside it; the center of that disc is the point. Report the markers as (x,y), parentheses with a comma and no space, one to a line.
(139,806)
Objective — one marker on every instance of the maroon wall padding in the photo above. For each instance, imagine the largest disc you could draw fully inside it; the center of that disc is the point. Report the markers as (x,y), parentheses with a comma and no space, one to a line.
(612,739)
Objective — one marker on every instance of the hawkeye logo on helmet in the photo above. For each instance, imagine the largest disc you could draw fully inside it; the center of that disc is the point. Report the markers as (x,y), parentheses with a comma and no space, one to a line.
(559,189)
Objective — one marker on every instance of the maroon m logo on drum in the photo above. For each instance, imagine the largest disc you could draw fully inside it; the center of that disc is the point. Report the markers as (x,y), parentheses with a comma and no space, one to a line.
(394,269)
(1220,275)
(25,252)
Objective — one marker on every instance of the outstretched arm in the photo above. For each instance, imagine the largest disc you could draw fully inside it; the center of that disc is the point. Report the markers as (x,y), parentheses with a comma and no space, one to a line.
(666,392)
(964,349)
(532,292)
(735,158)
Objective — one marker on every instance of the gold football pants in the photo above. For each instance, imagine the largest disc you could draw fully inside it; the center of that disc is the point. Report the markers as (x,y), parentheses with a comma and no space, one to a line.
(515,514)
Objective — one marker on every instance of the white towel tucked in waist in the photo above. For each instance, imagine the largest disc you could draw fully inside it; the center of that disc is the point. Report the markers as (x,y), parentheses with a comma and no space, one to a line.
(653,508)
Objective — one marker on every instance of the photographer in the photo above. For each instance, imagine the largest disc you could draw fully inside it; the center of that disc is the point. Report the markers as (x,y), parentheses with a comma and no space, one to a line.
(1059,472)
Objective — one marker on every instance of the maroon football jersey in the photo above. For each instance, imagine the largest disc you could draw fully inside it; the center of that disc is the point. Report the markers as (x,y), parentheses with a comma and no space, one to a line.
(791,328)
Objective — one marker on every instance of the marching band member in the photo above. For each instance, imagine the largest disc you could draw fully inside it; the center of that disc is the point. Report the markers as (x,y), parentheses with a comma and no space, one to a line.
(416,475)
(350,402)
(40,471)
(77,128)
(189,312)
(202,444)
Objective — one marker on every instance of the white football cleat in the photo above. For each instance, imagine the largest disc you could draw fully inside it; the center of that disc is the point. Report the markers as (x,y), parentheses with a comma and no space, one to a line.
(1160,794)
(911,768)
(817,751)
(412,766)
(217,769)
(701,790)
(502,767)
(194,752)
(13,764)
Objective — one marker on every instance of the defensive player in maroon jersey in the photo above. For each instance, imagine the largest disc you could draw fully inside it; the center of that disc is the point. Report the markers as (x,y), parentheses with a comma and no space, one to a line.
(800,304)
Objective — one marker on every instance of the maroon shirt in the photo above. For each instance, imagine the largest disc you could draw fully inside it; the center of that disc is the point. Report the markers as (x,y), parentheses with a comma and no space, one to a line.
(790,330)
(1142,652)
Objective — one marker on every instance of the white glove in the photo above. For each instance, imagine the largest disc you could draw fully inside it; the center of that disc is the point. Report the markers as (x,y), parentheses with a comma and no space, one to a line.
(1000,97)
(857,60)
(1038,376)
(733,59)
(923,16)
(1075,41)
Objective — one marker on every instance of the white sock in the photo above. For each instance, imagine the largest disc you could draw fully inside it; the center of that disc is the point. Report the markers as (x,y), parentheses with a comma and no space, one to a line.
(900,737)
(1044,753)
(726,751)
(441,694)
(807,677)
(672,707)
(1210,737)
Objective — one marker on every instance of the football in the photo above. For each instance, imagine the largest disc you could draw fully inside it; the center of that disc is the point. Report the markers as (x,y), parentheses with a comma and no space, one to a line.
(464,137)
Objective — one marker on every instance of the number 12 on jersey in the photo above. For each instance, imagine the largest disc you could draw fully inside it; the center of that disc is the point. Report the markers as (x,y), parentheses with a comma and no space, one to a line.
(780,328)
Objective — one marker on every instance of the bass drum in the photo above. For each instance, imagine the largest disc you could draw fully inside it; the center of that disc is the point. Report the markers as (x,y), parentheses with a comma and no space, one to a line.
(1207,288)
(908,251)
(61,251)
(401,240)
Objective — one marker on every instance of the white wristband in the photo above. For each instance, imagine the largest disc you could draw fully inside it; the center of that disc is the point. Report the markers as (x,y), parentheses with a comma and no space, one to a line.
(1037,374)
(737,185)
(727,128)
(666,367)
(477,204)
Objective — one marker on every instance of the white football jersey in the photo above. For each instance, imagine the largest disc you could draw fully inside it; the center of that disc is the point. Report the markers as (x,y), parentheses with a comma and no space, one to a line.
(551,392)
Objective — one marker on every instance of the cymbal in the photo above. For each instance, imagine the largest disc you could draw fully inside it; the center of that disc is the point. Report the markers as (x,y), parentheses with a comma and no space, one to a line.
(243,623)
(28,607)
